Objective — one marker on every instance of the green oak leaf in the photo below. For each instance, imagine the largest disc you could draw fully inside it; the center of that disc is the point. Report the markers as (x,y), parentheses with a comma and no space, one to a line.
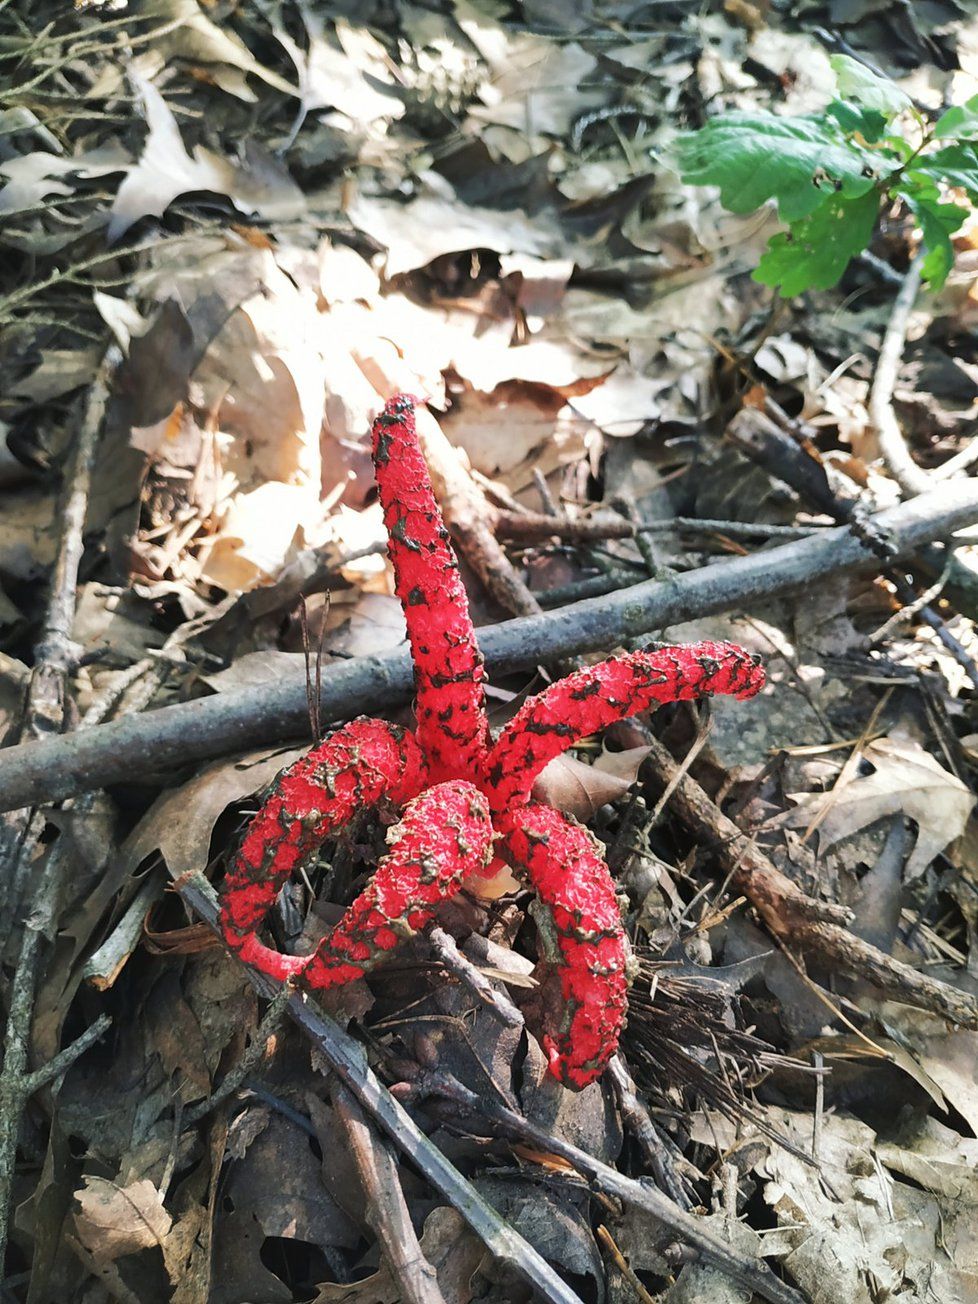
(857,82)
(852,118)
(754,157)
(938,221)
(960,121)
(955,165)
(813,253)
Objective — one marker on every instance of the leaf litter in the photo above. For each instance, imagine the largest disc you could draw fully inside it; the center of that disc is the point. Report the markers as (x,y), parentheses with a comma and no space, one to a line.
(273,212)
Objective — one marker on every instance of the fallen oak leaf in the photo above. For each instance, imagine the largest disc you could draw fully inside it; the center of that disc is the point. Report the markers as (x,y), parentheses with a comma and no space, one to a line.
(113,1220)
(906,780)
(165,171)
(32,177)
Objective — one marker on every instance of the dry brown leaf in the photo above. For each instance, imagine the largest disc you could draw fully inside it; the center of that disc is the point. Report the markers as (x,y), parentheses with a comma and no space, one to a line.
(580,789)
(180,822)
(518,428)
(165,170)
(906,780)
(112,1220)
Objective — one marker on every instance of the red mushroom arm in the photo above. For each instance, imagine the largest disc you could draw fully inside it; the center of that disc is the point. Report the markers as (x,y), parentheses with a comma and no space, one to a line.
(567,871)
(592,698)
(448,669)
(444,836)
(359,765)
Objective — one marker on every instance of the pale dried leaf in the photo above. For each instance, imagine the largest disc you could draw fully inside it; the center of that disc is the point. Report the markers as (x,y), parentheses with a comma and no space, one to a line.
(180,822)
(59,372)
(906,780)
(437,223)
(189,34)
(112,1220)
(333,75)
(580,789)
(32,177)
(165,171)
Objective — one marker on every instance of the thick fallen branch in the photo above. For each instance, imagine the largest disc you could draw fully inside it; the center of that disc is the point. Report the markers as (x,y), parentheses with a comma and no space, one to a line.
(165,740)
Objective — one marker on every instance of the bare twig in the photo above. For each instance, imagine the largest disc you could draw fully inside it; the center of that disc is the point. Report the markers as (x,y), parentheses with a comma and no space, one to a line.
(740,1267)
(387,1209)
(444,947)
(893,448)
(236,720)
(45,713)
(529,527)
(621,1263)
(636,1117)
(759,437)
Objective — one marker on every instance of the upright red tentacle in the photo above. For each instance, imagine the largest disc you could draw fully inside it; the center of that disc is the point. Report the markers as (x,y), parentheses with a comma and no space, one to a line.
(566,868)
(592,698)
(359,765)
(448,671)
(444,836)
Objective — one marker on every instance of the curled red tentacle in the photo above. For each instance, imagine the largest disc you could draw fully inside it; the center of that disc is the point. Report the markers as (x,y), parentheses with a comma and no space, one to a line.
(588,948)
(444,836)
(358,766)
(448,670)
(592,698)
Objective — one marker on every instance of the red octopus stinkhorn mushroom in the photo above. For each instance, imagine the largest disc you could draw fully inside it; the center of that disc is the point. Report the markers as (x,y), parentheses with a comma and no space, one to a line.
(459,792)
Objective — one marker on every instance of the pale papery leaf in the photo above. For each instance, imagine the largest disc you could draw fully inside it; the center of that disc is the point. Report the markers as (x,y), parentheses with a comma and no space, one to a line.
(32,177)
(333,75)
(165,171)
(189,34)
(906,780)
(513,431)
(113,1220)
(437,223)
(180,822)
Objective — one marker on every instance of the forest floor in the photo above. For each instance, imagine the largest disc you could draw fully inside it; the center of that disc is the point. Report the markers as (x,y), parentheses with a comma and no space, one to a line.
(229,233)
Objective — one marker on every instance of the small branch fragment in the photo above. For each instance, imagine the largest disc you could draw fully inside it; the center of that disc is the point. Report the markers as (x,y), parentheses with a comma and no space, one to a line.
(387,1209)
(533,527)
(444,947)
(908,475)
(794,918)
